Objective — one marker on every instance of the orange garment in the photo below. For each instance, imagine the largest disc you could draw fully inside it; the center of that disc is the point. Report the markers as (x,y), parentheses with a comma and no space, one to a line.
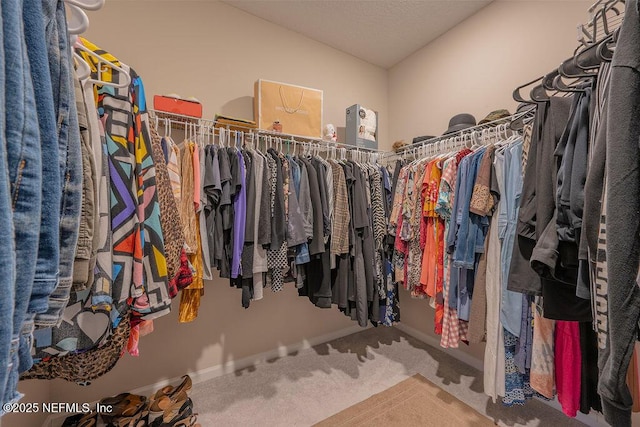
(196,178)
(440,252)
(430,189)
(187,210)
(190,298)
(433,257)
(425,232)
(439,316)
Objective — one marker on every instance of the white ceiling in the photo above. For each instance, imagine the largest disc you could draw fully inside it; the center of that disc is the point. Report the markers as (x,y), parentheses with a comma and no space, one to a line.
(382,32)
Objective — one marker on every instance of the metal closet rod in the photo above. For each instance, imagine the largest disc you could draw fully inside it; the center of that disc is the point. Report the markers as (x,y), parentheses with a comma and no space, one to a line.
(466,131)
(182,119)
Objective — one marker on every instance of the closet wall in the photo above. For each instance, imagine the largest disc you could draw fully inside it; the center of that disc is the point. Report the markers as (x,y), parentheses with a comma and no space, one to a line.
(216,52)
(473,68)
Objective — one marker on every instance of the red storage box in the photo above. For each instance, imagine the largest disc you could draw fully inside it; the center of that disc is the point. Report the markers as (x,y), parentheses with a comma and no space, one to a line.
(177,106)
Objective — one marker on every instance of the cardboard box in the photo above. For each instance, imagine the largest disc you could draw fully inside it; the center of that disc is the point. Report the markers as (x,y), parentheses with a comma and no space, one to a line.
(361,127)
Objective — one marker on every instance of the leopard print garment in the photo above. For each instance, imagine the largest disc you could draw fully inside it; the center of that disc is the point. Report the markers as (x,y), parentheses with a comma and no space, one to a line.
(379,220)
(379,227)
(85,366)
(169,215)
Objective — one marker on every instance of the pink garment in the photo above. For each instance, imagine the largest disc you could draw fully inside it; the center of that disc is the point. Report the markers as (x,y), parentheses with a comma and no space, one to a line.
(568,365)
(196,179)
(134,340)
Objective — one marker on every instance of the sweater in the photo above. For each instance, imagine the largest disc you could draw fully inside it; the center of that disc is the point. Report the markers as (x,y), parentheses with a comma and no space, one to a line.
(622,220)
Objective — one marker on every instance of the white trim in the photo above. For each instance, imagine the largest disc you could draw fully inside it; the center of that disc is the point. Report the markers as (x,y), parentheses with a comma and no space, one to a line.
(462,356)
(593,420)
(212,372)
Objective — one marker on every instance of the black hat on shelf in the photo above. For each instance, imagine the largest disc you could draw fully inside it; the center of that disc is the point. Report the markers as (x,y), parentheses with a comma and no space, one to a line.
(460,122)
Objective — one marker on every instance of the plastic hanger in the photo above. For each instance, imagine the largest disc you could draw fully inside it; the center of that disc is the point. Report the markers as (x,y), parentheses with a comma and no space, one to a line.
(592,56)
(86,4)
(100,65)
(83,70)
(562,87)
(506,131)
(599,18)
(222,136)
(473,141)
(516,93)
(569,68)
(78,21)
(539,93)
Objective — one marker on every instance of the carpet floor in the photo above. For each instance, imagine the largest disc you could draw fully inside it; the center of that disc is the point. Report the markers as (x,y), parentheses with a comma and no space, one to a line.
(413,402)
(310,386)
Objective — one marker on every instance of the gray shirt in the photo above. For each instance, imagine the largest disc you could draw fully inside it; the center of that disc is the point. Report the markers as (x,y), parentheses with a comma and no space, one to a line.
(295,226)
(316,246)
(304,200)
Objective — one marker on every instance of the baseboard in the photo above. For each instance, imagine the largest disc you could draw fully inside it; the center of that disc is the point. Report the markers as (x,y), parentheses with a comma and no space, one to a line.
(592,420)
(462,356)
(212,372)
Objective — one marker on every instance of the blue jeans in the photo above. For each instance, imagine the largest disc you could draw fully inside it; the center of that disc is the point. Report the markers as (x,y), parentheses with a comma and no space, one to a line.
(49,242)
(70,156)
(25,173)
(48,251)
(470,234)
(7,254)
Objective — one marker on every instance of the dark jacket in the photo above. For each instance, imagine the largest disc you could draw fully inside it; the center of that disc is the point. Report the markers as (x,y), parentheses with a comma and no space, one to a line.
(622,220)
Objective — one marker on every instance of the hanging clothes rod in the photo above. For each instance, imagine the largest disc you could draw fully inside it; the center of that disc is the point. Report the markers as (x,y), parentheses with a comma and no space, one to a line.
(601,29)
(183,120)
(467,132)
(604,18)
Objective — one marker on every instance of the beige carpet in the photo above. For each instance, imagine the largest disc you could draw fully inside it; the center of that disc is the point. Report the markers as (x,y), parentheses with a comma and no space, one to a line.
(412,402)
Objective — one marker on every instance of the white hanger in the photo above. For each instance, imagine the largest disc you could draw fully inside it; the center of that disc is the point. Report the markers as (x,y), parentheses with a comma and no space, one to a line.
(203,134)
(78,21)
(506,130)
(99,66)
(86,4)
(83,70)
